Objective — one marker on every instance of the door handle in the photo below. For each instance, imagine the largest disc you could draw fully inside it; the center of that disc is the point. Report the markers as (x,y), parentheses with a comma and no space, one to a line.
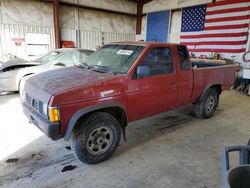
(173,85)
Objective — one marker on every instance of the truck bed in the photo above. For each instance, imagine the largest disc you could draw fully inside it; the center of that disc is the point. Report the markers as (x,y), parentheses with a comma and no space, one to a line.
(207,74)
(203,64)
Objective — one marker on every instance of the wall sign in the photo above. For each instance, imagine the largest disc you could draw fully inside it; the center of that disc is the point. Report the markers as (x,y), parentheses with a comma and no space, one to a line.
(18,41)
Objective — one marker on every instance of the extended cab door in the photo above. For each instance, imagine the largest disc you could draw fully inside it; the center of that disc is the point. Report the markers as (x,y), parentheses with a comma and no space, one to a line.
(152,89)
(184,80)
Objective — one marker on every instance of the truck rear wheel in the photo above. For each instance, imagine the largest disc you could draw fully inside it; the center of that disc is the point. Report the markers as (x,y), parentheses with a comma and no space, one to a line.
(207,104)
(96,138)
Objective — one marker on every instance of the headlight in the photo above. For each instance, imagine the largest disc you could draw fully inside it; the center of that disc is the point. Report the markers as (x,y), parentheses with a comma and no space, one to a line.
(43,108)
(54,114)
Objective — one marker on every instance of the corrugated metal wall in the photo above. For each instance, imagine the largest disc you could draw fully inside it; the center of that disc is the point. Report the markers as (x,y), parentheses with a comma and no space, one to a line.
(69,35)
(92,39)
(160,5)
(8,32)
(115,37)
(82,38)
(86,28)
(89,39)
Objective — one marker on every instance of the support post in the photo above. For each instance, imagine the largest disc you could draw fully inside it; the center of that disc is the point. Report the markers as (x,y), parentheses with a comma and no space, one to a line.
(139,14)
(139,17)
(56,23)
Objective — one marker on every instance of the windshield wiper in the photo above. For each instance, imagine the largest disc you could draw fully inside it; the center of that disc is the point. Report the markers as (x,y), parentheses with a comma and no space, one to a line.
(117,72)
(102,69)
(98,68)
(105,69)
(84,65)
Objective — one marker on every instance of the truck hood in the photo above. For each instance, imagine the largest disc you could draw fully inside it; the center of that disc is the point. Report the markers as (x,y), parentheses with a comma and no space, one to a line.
(66,82)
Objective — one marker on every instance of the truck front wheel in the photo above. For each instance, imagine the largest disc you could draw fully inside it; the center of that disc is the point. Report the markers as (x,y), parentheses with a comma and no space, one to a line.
(207,104)
(96,138)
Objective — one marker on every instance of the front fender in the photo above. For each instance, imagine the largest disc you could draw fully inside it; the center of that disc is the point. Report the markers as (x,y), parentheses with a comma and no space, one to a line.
(80,113)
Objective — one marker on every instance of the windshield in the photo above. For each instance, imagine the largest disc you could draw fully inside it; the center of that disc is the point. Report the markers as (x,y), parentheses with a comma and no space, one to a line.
(117,58)
(47,58)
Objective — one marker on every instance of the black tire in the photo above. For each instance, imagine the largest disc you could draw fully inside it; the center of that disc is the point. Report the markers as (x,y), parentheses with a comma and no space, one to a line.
(207,105)
(96,138)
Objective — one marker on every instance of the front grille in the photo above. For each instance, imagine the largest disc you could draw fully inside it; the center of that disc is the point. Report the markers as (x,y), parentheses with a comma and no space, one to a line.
(33,102)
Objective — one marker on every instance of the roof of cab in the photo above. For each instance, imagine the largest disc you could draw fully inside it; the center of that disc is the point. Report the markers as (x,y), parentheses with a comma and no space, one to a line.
(144,43)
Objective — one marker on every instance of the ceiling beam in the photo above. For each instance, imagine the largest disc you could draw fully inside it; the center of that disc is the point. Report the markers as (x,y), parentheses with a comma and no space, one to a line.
(92,8)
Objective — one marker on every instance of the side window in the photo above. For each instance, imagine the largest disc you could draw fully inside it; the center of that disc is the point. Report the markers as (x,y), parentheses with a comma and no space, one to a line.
(159,60)
(184,61)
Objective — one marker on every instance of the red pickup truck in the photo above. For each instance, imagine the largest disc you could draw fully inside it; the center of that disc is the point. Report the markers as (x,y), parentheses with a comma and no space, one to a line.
(91,104)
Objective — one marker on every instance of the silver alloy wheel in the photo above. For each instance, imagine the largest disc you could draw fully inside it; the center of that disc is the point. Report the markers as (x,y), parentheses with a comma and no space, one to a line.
(210,104)
(99,141)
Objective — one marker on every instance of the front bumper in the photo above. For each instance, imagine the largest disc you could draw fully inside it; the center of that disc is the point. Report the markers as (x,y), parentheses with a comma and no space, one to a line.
(52,130)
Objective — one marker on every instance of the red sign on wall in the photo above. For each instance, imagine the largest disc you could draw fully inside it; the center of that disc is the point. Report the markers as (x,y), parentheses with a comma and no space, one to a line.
(18,41)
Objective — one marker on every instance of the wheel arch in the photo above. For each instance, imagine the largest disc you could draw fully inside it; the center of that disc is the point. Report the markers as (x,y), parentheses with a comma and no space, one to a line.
(217,86)
(200,104)
(114,109)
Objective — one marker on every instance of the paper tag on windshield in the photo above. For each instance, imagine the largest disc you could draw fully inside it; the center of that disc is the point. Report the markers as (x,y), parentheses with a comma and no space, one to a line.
(125,52)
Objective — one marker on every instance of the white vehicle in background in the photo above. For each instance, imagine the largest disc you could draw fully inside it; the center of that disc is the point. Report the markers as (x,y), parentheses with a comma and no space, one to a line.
(14,70)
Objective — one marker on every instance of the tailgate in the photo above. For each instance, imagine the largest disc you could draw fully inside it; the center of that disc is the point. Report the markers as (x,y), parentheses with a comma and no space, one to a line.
(205,77)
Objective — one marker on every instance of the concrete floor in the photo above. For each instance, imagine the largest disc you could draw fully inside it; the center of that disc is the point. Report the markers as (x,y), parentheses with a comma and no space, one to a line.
(172,150)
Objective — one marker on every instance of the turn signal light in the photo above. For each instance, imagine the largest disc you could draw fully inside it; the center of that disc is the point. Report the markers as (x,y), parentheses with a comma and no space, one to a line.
(54,114)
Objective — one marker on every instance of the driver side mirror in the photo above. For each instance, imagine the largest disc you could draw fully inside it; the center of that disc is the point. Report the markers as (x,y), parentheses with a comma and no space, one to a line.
(143,71)
(60,64)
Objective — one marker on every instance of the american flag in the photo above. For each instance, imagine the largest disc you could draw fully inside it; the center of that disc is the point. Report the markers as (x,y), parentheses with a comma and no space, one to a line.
(216,27)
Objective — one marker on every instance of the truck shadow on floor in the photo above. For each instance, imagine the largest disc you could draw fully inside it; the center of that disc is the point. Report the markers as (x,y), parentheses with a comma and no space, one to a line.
(145,130)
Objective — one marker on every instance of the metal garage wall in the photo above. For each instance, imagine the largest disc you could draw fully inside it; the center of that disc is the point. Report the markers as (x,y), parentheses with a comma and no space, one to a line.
(69,35)
(160,5)
(26,12)
(92,39)
(11,32)
(175,26)
(127,6)
(93,28)
(92,20)
(87,28)
(1,49)
(89,39)
(115,37)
